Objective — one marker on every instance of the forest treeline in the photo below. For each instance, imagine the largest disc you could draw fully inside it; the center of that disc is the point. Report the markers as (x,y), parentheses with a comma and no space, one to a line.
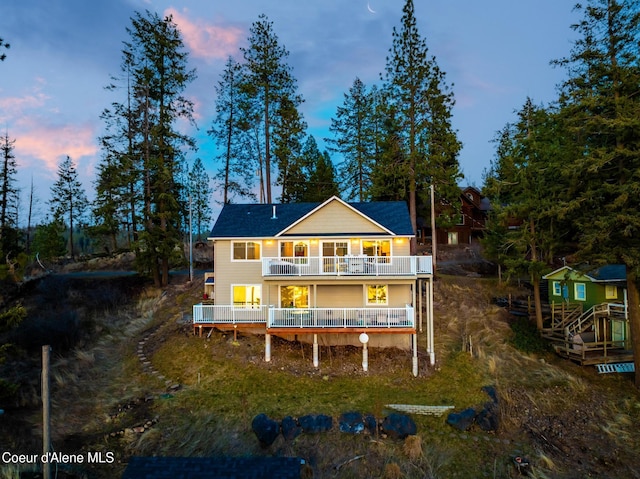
(389,141)
(565,179)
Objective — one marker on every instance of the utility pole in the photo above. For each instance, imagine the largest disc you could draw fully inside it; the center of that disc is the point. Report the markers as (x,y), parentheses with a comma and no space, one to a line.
(434,239)
(46,419)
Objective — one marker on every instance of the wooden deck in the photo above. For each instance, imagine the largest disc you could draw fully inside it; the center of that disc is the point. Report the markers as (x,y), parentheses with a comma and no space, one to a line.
(595,354)
(566,322)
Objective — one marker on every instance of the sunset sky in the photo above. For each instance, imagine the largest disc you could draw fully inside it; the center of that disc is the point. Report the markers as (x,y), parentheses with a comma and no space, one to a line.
(63,52)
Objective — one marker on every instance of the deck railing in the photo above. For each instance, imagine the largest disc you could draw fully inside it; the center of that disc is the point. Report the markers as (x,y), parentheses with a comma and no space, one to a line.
(226,314)
(348,266)
(341,318)
(586,319)
(305,317)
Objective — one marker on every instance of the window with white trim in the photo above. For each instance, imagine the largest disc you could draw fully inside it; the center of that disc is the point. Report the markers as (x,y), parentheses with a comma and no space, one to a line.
(377,294)
(293,296)
(245,250)
(294,249)
(331,252)
(247,295)
(580,291)
(380,249)
(335,248)
(557,288)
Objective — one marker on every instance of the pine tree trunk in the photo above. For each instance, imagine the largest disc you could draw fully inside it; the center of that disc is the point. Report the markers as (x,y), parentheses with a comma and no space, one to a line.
(537,302)
(634,321)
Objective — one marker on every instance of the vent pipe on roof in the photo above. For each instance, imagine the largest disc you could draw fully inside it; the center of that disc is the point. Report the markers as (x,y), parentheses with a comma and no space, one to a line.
(273,217)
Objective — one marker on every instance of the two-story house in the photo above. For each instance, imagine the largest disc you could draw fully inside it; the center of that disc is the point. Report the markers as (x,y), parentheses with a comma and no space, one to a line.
(331,273)
(470,216)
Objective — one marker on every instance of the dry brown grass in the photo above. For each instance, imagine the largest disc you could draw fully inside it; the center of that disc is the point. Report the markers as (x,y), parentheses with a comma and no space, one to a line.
(226,385)
(392,471)
(412,448)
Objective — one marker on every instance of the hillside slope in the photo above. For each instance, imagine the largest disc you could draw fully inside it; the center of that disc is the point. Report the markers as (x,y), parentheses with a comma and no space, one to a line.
(148,386)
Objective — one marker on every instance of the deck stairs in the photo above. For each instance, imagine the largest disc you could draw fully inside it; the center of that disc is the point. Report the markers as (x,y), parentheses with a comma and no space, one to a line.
(562,316)
(570,320)
(587,319)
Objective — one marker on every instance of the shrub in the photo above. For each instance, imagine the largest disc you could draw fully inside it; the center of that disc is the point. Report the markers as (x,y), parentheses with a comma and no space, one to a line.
(526,337)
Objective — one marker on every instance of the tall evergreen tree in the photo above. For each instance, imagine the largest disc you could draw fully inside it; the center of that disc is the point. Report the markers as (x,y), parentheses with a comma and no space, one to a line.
(230,130)
(158,63)
(322,183)
(525,192)
(200,193)
(8,197)
(68,199)
(390,176)
(268,82)
(288,134)
(354,139)
(119,184)
(107,206)
(422,101)
(601,106)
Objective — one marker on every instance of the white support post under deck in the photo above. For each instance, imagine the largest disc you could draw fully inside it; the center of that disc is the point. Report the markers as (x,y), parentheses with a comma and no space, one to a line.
(267,347)
(316,362)
(430,345)
(415,354)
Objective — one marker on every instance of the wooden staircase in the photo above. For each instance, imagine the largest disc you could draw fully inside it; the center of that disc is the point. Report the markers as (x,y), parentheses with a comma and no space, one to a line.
(579,336)
(562,316)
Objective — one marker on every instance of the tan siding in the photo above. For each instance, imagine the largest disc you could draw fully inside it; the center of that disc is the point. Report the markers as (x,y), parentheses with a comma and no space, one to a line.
(353,296)
(335,218)
(344,296)
(401,247)
(233,272)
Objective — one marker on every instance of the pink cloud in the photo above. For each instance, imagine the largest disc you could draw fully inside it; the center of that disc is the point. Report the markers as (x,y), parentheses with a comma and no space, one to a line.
(206,40)
(14,107)
(50,144)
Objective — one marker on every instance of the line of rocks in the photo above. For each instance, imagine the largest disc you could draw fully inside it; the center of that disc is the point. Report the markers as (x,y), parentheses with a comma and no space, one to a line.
(395,426)
(147,366)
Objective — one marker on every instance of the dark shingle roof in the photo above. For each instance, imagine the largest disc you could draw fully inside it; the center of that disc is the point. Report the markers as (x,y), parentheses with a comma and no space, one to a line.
(256,220)
(213,467)
(610,272)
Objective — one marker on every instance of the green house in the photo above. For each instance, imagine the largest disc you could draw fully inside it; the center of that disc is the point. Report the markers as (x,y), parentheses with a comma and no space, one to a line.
(606,284)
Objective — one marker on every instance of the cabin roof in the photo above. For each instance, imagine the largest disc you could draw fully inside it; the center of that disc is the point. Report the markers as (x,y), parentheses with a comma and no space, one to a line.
(602,274)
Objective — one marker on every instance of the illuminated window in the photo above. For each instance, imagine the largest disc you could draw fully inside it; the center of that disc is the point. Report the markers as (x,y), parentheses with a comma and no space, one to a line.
(248,250)
(377,294)
(452,237)
(294,249)
(611,292)
(247,295)
(335,248)
(332,250)
(379,248)
(294,296)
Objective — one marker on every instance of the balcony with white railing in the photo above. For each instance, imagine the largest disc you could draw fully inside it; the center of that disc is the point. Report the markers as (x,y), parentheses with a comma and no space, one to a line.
(305,318)
(341,318)
(228,314)
(348,266)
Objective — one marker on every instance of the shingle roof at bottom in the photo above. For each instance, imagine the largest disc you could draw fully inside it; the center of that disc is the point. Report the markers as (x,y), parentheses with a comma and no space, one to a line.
(253,467)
